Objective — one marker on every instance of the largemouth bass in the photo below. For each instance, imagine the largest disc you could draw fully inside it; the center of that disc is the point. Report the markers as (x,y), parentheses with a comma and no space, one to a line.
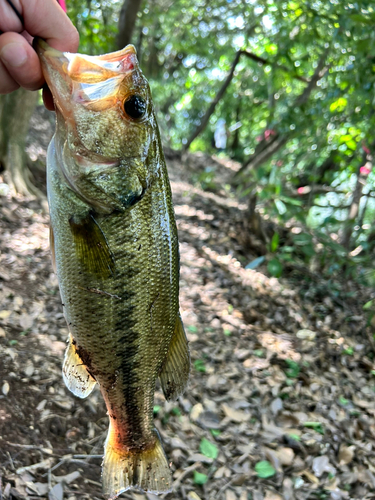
(115,251)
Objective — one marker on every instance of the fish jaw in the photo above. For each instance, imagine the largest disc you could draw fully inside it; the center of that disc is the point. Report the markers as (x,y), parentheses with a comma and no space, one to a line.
(81,79)
(105,154)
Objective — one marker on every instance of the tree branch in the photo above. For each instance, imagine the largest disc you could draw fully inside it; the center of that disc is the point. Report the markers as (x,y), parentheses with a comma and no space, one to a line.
(225,85)
(264,62)
(214,103)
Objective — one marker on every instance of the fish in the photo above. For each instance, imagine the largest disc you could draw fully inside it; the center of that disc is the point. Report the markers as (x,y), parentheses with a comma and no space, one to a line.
(115,252)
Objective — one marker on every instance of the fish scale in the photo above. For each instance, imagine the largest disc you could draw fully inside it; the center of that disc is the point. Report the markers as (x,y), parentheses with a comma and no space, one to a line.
(115,248)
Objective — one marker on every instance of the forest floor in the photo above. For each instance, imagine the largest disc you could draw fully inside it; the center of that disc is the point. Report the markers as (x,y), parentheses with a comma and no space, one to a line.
(280,403)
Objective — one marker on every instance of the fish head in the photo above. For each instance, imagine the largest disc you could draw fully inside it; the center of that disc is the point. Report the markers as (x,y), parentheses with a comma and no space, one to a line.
(107,135)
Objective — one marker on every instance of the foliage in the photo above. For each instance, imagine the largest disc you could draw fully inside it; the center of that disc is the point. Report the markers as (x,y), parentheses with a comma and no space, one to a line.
(322,133)
(208,449)
(264,469)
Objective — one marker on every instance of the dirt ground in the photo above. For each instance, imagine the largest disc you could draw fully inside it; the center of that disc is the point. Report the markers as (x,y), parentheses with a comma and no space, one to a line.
(280,403)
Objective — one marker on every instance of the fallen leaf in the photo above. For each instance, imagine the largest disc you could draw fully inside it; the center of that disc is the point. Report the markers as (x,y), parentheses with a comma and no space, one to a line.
(271,495)
(193,496)
(26,321)
(196,411)
(230,495)
(346,454)
(276,406)
(5,388)
(286,456)
(5,314)
(306,334)
(310,476)
(235,415)
(321,464)
(56,493)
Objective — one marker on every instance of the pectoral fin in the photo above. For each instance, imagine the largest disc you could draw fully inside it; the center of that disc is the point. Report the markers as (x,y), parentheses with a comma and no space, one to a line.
(91,246)
(174,374)
(75,374)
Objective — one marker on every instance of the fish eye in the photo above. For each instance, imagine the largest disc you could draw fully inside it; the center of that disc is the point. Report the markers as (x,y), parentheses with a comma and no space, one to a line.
(135,106)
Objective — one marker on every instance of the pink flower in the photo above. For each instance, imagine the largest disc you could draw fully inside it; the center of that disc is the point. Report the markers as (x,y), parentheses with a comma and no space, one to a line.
(364,170)
(268,133)
(279,163)
(301,190)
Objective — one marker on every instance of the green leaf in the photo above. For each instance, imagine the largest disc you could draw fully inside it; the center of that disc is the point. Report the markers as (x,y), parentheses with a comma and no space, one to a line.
(295,437)
(275,242)
(258,353)
(317,426)
(293,368)
(264,469)
(349,351)
(291,201)
(192,328)
(200,478)
(157,408)
(199,365)
(275,268)
(215,432)
(280,206)
(343,401)
(368,305)
(208,449)
(338,105)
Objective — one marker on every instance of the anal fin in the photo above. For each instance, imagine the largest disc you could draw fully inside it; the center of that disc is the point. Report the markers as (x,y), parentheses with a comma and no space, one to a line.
(174,374)
(91,245)
(75,374)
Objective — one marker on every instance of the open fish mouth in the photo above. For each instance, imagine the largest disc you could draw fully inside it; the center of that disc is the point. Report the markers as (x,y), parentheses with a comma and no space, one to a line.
(92,81)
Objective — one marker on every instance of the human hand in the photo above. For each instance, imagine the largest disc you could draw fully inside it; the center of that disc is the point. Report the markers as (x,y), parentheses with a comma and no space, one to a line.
(19,63)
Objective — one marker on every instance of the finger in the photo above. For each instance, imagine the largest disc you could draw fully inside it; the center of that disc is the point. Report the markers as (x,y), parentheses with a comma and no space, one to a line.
(9,21)
(21,61)
(45,18)
(7,84)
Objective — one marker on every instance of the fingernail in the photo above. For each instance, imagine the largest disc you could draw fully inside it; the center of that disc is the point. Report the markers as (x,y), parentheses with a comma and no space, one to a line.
(13,54)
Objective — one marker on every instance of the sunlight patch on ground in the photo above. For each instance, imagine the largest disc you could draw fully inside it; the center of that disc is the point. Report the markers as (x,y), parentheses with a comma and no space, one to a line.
(27,240)
(189,211)
(186,189)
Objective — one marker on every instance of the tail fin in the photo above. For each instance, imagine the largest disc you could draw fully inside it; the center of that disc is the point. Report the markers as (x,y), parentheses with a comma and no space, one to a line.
(146,470)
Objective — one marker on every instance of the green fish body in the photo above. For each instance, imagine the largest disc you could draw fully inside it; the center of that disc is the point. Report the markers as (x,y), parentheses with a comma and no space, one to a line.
(115,251)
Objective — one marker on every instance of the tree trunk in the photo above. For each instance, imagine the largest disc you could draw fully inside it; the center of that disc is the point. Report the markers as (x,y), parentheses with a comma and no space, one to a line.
(15,113)
(127,19)
(236,136)
(214,103)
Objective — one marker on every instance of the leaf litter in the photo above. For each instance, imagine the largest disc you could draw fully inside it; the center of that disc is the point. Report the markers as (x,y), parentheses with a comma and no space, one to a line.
(280,403)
